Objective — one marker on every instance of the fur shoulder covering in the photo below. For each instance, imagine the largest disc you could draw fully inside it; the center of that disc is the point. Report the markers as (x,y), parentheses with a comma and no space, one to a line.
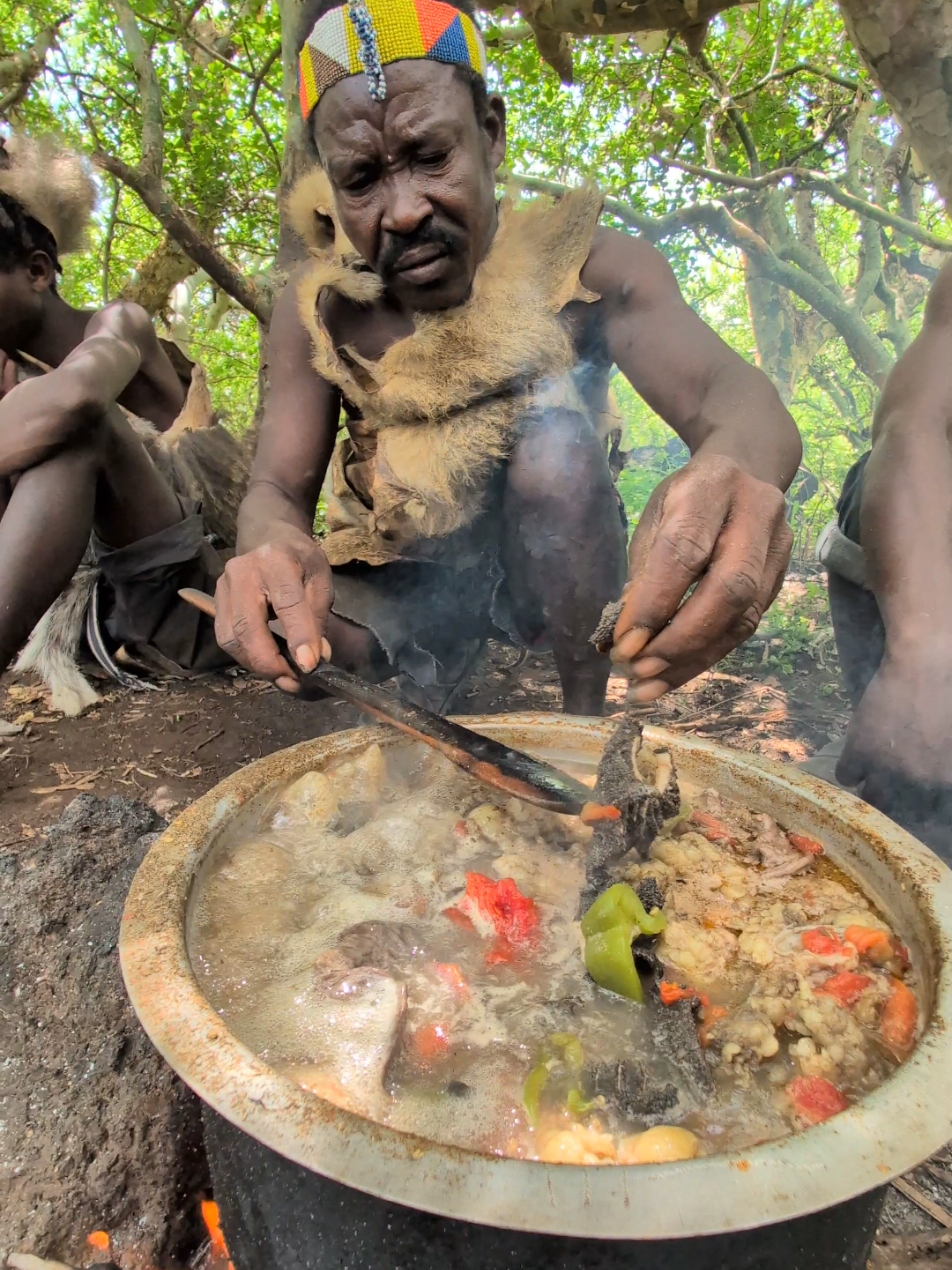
(445,401)
(53,184)
(507,336)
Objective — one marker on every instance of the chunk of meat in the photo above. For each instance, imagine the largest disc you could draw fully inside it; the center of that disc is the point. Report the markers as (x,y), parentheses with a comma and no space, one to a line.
(311,800)
(362,1015)
(747,1039)
(390,946)
(779,858)
(645,799)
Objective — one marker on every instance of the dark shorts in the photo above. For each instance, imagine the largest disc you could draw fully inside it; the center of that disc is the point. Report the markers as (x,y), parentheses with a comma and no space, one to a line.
(848,504)
(137,605)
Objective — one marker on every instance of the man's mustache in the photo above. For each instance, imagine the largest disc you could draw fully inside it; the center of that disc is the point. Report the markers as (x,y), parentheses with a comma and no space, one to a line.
(429,234)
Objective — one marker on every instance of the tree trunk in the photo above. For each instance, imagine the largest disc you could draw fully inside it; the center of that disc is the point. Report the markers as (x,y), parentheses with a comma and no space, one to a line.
(907,48)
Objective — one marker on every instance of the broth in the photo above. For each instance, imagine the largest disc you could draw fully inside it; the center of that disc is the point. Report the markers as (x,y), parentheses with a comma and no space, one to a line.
(362,939)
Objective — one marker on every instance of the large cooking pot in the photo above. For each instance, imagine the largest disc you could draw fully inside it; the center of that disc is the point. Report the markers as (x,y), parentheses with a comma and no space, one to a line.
(324,1163)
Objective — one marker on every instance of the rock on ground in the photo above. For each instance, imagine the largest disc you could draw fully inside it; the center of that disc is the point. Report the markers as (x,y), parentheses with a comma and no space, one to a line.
(96,1133)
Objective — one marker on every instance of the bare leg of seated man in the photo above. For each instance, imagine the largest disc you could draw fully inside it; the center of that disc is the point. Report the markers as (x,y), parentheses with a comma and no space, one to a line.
(104,480)
(563,548)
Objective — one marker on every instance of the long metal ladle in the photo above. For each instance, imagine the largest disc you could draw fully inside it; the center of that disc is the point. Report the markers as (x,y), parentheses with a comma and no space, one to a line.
(511,771)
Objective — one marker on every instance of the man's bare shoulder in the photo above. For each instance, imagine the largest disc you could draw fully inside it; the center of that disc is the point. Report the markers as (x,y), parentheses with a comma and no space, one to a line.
(155,392)
(627,271)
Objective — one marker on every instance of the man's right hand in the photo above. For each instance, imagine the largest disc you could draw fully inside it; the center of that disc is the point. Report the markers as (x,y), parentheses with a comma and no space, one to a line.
(291,575)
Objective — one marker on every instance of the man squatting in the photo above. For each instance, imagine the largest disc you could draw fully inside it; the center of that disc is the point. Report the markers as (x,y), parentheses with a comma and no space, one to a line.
(105,448)
(469,343)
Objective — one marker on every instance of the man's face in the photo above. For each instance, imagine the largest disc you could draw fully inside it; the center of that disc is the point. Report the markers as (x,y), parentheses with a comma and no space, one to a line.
(22,291)
(414,178)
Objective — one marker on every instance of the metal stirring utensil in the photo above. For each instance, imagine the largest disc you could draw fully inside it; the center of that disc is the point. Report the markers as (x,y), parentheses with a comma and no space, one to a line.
(494,764)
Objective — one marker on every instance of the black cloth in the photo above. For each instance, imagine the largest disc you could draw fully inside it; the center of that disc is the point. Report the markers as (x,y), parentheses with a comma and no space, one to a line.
(140,606)
(848,504)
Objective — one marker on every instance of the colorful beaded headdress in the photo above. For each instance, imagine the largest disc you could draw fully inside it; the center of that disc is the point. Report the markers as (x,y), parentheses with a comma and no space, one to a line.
(366,35)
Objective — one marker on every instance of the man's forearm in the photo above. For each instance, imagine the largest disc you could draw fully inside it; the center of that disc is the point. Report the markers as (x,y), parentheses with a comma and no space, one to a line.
(43,414)
(743,418)
(906,529)
(268,513)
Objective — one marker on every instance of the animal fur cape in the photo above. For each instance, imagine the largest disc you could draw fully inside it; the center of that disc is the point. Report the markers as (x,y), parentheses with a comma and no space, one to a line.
(439,409)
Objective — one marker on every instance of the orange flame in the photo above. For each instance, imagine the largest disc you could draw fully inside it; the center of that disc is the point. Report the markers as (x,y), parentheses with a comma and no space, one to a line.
(99,1240)
(213,1225)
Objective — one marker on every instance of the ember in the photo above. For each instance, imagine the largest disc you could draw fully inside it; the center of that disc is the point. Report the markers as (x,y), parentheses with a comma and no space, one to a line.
(219,1249)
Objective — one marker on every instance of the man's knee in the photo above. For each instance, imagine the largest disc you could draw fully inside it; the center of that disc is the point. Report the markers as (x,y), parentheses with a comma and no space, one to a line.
(559,462)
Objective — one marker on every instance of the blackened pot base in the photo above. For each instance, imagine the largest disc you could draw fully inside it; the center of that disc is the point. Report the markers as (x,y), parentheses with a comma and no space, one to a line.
(277,1215)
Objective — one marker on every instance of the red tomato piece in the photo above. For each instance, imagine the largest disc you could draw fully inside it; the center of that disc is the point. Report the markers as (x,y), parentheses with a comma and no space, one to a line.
(815,1099)
(430,1042)
(900,1016)
(809,846)
(592,813)
(499,908)
(822,943)
(845,987)
(673,992)
(452,976)
(712,828)
(458,918)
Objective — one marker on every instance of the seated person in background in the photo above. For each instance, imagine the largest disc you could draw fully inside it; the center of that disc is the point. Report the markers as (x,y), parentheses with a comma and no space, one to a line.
(889,560)
(470,344)
(75,470)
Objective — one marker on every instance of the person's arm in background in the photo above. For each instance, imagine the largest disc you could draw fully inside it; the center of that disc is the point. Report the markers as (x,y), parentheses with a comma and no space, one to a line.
(903,725)
(720,521)
(42,414)
(279,563)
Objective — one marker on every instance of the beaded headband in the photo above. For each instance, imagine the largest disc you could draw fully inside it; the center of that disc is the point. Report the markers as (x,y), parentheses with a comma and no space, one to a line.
(367,35)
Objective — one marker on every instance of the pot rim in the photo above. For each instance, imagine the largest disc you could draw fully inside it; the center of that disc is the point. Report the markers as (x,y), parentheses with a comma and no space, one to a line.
(890,1131)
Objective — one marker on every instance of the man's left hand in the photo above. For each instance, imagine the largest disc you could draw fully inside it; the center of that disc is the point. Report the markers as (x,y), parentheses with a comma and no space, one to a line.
(713,524)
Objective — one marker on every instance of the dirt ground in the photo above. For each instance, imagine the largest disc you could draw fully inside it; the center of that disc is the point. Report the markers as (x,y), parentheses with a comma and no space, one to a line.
(167,747)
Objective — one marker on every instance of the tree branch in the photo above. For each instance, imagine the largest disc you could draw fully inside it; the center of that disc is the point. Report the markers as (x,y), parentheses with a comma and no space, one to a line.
(801,68)
(253,104)
(868,352)
(19,70)
(110,232)
(807,179)
(153,125)
(179,224)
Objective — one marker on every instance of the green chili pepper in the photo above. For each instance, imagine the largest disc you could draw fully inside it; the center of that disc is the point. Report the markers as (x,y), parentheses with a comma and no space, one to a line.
(571,1048)
(618,906)
(578,1105)
(609,960)
(572,1055)
(532,1090)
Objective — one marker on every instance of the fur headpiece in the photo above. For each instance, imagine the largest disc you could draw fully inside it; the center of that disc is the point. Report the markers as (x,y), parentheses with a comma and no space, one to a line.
(52,184)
